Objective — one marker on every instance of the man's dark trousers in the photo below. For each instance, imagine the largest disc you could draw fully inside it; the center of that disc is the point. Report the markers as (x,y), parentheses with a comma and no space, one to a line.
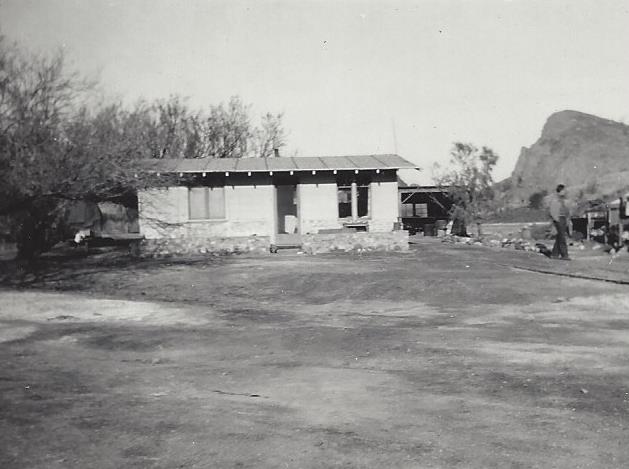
(561,247)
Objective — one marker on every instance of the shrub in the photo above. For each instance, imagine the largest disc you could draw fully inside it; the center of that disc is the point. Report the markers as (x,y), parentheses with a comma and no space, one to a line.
(536,200)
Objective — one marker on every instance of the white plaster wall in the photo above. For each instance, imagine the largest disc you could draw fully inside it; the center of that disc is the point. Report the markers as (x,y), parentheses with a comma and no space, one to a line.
(384,206)
(319,204)
(160,209)
(318,207)
(248,211)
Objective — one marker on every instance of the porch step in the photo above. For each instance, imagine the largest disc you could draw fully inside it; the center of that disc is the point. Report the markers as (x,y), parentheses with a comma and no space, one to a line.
(285,247)
(286,241)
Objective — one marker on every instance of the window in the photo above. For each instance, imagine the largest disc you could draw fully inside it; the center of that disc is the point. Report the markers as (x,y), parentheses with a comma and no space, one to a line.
(345,201)
(407,210)
(421,210)
(206,203)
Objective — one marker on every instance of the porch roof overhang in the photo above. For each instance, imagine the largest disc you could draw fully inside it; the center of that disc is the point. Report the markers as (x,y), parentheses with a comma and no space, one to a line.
(424,189)
(277,164)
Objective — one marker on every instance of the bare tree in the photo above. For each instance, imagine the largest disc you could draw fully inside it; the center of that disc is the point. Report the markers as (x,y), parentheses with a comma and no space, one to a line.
(54,148)
(220,131)
(269,136)
(469,182)
(51,149)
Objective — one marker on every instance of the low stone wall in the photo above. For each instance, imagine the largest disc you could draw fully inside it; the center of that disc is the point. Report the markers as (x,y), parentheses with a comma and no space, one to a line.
(355,241)
(345,241)
(166,247)
(511,230)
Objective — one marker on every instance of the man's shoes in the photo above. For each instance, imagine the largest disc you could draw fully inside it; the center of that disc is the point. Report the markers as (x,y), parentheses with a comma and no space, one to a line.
(565,258)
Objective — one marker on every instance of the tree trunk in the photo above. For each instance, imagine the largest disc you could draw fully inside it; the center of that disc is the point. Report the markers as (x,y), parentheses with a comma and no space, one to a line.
(459,227)
(36,234)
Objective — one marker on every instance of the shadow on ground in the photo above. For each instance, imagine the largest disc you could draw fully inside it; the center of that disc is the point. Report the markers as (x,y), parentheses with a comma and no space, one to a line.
(445,356)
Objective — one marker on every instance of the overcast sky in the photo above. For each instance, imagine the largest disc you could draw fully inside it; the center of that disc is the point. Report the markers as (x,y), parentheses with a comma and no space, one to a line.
(354,77)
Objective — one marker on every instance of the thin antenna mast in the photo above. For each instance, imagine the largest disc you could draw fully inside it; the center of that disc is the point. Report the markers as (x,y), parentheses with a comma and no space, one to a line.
(394,136)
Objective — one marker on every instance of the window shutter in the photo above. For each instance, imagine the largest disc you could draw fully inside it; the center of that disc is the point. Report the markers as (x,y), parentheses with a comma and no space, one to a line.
(217,202)
(198,203)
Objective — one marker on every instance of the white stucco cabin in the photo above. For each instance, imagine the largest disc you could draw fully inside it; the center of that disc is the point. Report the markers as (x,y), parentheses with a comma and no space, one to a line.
(266,202)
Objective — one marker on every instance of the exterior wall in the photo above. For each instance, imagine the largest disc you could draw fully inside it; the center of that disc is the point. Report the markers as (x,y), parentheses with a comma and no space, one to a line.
(384,205)
(318,207)
(248,212)
(319,203)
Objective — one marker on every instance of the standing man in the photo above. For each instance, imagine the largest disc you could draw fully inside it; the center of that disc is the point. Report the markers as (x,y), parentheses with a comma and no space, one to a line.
(561,218)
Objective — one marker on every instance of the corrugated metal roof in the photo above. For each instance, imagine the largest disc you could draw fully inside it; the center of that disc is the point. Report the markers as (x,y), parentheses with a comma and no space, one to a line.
(309,162)
(218,164)
(313,163)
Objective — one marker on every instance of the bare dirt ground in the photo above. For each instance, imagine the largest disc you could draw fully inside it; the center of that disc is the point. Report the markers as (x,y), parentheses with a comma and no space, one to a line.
(444,357)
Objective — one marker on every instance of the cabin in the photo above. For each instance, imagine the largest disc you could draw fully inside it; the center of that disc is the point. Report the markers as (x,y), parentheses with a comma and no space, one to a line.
(317,204)
(423,209)
(604,222)
(103,219)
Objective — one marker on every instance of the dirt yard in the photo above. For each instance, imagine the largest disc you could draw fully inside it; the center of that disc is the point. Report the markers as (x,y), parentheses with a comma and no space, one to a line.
(444,357)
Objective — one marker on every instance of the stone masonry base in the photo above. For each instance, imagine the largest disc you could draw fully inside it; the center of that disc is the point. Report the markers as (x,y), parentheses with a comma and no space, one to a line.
(166,247)
(355,241)
(311,244)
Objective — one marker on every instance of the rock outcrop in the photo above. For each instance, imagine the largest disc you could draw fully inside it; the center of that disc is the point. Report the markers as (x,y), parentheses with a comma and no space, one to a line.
(587,153)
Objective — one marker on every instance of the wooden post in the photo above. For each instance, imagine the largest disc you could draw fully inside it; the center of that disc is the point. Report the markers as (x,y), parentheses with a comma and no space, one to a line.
(354,201)
(399,209)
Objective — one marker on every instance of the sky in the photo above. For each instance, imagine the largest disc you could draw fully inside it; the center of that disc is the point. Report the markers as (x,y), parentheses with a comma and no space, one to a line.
(354,77)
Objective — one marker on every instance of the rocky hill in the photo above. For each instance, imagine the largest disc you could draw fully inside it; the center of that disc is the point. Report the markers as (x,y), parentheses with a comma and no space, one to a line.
(587,153)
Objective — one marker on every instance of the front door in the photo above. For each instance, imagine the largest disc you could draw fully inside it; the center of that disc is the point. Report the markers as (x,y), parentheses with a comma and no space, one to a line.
(287,210)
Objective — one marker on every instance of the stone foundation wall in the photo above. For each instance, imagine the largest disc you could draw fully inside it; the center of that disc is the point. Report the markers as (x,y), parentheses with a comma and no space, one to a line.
(381,225)
(313,226)
(311,244)
(310,226)
(166,247)
(355,241)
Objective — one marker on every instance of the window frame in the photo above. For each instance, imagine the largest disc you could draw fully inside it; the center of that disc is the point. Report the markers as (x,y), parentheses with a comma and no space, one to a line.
(207,194)
(424,211)
(338,204)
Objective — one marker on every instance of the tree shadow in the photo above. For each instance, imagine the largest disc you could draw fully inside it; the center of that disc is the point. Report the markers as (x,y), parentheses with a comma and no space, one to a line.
(73,269)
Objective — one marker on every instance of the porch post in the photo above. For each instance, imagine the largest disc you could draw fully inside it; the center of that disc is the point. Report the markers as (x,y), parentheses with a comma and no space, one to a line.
(354,201)
(274,216)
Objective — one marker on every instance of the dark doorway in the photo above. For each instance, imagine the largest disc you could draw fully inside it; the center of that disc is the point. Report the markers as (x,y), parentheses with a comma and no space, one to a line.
(287,209)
